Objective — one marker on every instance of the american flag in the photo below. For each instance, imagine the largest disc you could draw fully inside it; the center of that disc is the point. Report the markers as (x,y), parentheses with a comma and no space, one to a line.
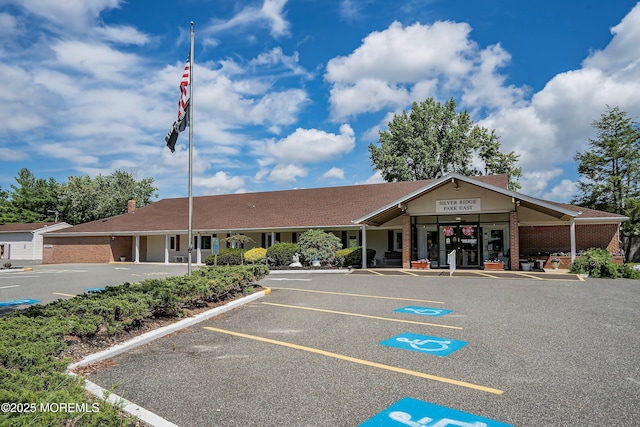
(183,104)
(183,88)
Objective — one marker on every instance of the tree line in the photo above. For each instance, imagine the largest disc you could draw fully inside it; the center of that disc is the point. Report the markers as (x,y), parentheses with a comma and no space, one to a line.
(80,199)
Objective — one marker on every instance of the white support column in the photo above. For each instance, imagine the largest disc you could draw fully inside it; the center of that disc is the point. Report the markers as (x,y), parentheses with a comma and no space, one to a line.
(166,249)
(572,228)
(199,252)
(137,257)
(273,238)
(364,246)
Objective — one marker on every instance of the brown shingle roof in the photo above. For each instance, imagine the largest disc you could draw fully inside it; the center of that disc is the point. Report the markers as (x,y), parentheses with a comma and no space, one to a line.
(24,228)
(313,207)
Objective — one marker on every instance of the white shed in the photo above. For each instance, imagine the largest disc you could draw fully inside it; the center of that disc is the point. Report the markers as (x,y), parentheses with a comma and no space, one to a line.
(24,241)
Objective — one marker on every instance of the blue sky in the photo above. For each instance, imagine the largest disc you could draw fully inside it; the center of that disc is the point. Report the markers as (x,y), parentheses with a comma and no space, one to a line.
(290,93)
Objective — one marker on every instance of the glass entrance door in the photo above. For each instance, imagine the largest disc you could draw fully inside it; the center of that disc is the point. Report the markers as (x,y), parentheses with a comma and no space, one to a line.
(465,239)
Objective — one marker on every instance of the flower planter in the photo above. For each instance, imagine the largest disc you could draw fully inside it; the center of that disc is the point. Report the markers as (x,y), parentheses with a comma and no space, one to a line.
(526,266)
(421,264)
(555,265)
(494,265)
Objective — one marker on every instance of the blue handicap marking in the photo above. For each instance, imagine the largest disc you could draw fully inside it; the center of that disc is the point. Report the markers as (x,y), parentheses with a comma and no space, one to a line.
(425,344)
(416,413)
(94,289)
(18,302)
(423,311)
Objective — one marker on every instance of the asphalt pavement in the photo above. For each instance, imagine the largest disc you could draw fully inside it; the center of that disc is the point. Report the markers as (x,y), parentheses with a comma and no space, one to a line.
(333,350)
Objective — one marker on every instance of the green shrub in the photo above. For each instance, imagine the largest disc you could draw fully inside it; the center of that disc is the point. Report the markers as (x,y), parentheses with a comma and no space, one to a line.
(628,272)
(282,253)
(227,256)
(255,255)
(316,244)
(596,262)
(353,256)
(33,341)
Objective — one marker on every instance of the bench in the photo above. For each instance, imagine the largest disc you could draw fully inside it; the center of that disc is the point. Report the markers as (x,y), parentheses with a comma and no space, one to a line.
(392,258)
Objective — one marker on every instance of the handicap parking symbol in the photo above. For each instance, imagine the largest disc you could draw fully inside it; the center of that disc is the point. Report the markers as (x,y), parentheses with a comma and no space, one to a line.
(416,413)
(425,344)
(423,311)
(13,302)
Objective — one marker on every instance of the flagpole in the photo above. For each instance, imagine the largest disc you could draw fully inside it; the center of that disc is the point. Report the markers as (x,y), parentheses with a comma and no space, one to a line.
(190,232)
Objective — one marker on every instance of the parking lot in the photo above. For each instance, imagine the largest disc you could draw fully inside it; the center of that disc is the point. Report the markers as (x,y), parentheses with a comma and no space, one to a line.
(350,350)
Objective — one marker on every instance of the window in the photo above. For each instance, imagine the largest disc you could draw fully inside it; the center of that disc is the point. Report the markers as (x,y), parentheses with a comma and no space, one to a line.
(172,243)
(205,241)
(398,241)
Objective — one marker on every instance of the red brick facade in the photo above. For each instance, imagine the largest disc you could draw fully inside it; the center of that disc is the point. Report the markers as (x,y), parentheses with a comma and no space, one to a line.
(514,241)
(557,238)
(406,241)
(98,249)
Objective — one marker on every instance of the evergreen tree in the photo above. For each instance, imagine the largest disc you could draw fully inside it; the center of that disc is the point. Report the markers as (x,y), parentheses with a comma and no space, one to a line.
(610,169)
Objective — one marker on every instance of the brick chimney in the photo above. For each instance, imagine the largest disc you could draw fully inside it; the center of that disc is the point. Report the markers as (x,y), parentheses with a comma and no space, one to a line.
(131,205)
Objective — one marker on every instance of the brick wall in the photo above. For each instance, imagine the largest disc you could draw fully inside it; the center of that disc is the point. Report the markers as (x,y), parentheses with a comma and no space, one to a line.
(514,241)
(557,238)
(406,241)
(102,249)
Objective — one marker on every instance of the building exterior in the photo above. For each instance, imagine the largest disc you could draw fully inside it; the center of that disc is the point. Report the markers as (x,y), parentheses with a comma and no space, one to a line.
(478,217)
(24,241)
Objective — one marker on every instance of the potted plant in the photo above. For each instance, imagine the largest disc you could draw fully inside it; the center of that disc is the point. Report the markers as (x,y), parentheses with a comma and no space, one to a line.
(421,263)
(555,263)
(494,264)
(525,265)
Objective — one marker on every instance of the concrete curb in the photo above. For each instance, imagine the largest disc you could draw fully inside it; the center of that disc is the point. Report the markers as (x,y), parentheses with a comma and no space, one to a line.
(127,406)
(343,271)
(15,270)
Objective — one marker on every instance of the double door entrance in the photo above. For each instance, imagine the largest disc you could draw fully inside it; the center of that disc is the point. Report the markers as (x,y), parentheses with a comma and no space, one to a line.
(465,239)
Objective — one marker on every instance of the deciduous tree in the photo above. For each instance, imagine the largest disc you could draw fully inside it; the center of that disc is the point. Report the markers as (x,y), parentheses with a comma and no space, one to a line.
(433,140)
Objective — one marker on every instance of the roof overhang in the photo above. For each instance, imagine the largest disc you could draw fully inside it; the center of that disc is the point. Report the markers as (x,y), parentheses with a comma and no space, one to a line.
(398,207)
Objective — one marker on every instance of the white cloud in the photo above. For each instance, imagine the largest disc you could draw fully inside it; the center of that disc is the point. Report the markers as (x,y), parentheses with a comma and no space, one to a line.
(402,64)
(406,54)
(334,173)
(534,183)
(123,34)
(271,14)
(557,122)
(366,95)
(562,192)
(286,173)
(9,26)
(220,183)
(312,145)
(349,10)
(97,59)
(376,178)
(9,155)
(63,151)
(67,14)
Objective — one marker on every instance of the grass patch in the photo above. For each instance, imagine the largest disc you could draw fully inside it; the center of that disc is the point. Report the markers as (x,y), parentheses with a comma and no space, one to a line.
(33,379)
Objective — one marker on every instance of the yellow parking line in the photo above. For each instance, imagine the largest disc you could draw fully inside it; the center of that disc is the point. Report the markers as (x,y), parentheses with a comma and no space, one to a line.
(64,295)
(374,272)
(527,275)
(361,361)
(360,295)
(362,315)
(479,273)
(409,273)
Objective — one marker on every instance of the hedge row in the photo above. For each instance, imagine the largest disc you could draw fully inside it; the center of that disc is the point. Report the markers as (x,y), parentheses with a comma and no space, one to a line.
(32,341)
